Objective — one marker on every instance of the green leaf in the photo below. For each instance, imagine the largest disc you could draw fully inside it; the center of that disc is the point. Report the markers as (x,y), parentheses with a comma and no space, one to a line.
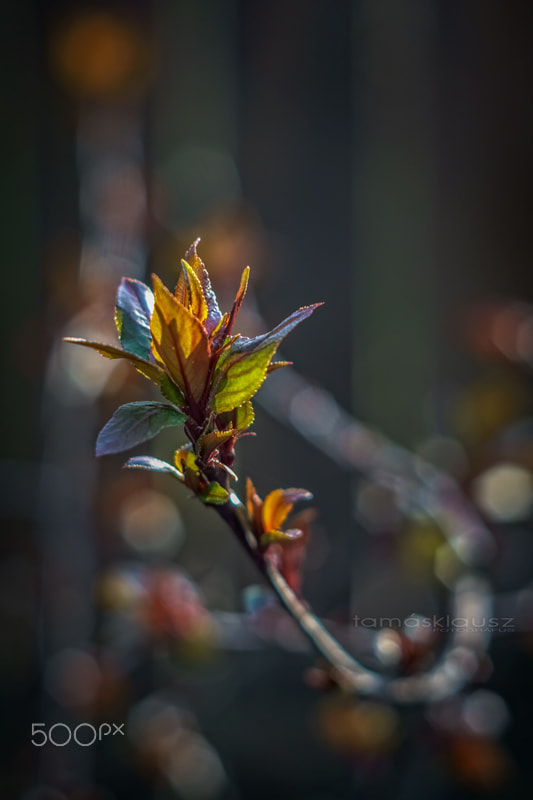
(239,418)
(211,441)
(214,494)
(134,423)
(171,392)
(135,304)
(245,362)
(242,378)
(244,415)
(153,465)
(151,371)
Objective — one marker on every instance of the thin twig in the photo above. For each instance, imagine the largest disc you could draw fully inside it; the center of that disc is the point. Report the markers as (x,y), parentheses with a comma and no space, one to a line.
(458,663)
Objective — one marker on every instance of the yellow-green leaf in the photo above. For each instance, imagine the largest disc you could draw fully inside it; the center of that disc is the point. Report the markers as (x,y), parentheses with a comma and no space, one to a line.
(184,458)
(211,441)
(185,461)
(242,378)
(214,494)
(244,416)
(213,311)
(197,304)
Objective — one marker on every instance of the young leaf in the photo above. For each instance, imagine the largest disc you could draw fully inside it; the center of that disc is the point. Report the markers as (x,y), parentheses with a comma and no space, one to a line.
(134,423)
(238,418)
(238,301)
(180,342)
(214,494)
(135,304)
(244,415)
(184,458)
(273,537)
(278,505)
(171,392)
(254,505)
(241,380)
(277,334)
(153,465)
(151,371)
(211,441)
(213,312)
(278,365)
(197,304)
(217,334)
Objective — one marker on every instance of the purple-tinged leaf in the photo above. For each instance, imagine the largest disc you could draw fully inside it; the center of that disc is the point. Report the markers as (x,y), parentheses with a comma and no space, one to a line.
(213,311)
(276,335)
(135,305)
(134,423)
(153,465)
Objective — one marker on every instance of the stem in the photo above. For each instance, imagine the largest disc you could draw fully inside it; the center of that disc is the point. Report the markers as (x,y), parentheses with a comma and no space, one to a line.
(458,663)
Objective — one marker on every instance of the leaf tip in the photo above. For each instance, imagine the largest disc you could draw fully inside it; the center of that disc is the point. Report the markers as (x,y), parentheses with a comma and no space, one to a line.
(192,249)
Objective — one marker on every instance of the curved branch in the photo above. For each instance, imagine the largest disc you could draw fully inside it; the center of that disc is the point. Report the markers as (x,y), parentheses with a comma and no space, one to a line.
(458,663)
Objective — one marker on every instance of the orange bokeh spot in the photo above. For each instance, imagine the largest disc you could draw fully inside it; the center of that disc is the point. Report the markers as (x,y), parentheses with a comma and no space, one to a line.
(97,54)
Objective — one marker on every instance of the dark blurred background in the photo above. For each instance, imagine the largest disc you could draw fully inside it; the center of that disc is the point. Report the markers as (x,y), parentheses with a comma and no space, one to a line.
(374,155)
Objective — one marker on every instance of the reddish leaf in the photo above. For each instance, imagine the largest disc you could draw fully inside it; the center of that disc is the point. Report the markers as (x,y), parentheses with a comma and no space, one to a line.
(180,342)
